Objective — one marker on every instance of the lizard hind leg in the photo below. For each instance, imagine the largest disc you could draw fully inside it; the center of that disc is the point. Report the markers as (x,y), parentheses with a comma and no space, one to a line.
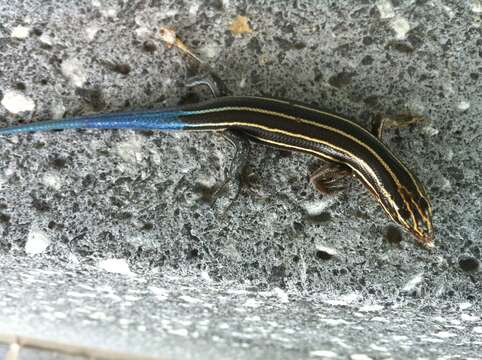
(326,179)
(210,80)
(237,164)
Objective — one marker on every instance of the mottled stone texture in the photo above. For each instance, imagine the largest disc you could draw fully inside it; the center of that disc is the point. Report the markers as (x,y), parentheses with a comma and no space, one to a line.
(278,271)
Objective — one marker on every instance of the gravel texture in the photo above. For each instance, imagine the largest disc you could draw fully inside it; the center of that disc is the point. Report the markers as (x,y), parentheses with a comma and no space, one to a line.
(110,238)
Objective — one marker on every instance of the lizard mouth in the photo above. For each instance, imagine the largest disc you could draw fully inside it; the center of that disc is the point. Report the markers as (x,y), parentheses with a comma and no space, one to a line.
(426,240)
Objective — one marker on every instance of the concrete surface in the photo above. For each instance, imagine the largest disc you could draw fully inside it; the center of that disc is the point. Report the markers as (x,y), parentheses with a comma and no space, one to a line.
(3,351)
(109,239)
(33,354)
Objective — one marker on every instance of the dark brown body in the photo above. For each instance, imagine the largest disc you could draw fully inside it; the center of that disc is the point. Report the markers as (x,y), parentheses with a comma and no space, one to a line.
(298,127)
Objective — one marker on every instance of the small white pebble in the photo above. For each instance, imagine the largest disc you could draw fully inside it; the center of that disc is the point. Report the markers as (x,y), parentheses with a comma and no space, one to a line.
(343,300)
(463,105)
(444,334)
(205,276)
(238,292)
(58,110)
(10,170)
(60,315)
(315,208)
(385,7)
(448,88)
(143,33)
(15,102)
(210,50)
(448,154)
(113,297)
(351,297)
(52,181)
(168,13)
(401,27)
(45,39)
(131,151)
(252,303)
(477,6)
(378,348)
(477,330)
(193,9)
(446,185)
(37,242)
(179,332)
(74,70)
(360,357)
(323,354)
(73,259)
(413,283)
(91,31)
(449,11)
(467,317)
(124,322)
(455,322)
(116,266)
(281,295)
(370,308)
(465,305)
(430,131)
(160,293)
(330,251)
(110,13)
(98,315)
(335,322)
(20,32)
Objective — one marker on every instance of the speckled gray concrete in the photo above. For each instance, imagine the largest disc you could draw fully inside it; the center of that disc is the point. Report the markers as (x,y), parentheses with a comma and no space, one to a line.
(255,279)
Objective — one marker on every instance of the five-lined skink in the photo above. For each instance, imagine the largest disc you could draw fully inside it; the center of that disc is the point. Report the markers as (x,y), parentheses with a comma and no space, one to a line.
(293,126)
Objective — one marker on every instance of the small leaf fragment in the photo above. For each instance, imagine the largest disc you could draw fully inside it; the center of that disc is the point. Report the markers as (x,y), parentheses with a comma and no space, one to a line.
(240,25)
(168,35)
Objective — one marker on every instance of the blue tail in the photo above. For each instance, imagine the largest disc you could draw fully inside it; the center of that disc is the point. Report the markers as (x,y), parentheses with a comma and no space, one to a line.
(143,120)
